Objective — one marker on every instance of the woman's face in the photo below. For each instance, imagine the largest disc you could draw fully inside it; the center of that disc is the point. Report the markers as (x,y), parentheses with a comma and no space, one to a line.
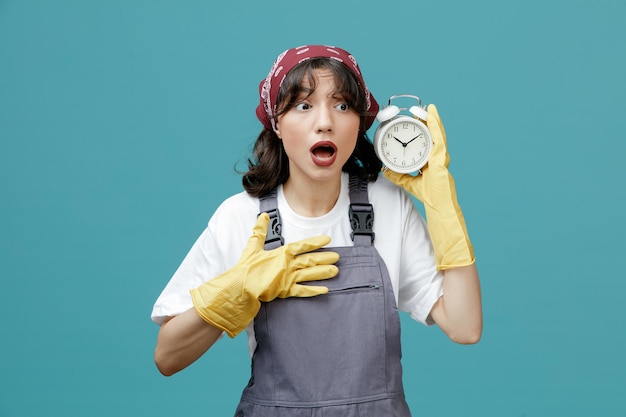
(320,132)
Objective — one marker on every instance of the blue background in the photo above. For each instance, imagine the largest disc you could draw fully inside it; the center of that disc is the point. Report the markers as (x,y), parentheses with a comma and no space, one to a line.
(120,125)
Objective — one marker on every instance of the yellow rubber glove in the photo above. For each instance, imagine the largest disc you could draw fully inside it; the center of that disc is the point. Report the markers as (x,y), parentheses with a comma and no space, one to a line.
(231,300)
(435,188)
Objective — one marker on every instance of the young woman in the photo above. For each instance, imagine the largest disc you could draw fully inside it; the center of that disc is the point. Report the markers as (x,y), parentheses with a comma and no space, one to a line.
(316,279)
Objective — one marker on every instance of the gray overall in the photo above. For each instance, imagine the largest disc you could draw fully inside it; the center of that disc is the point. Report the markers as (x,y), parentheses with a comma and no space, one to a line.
(333,355)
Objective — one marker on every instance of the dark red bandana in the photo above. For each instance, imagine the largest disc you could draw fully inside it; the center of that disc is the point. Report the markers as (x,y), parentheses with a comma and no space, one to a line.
(268,89)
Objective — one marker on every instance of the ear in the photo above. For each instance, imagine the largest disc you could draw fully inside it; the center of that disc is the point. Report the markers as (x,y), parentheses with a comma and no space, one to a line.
(277,131)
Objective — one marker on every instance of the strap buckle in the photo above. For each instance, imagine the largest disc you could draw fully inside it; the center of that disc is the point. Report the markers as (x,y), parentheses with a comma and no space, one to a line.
(362,220)
(274,228)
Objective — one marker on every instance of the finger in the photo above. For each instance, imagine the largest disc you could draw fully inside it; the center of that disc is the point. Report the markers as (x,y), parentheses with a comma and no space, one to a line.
(439,155)
(306,291)
(260,228)
(315,273)
(435,126)
(315,258)
(434,122)
(257,240)
(308,245)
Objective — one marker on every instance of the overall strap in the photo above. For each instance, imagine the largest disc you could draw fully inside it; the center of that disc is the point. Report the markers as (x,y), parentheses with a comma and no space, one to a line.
(268,204)
(361,215)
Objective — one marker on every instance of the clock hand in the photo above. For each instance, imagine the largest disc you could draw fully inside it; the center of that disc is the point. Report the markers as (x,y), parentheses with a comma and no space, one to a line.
(403,144)
(413,139)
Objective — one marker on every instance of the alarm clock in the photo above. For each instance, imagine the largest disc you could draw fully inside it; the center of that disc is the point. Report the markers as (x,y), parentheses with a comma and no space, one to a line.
(402,141)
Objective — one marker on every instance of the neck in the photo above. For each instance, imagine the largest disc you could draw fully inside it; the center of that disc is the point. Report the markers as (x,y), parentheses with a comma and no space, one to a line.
(313,199)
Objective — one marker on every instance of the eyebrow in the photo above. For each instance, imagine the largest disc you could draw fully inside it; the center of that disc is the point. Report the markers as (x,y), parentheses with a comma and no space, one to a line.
(306,92)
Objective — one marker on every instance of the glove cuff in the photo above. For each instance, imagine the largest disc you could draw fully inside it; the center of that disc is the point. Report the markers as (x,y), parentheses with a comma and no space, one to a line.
(450,239)
(224,307)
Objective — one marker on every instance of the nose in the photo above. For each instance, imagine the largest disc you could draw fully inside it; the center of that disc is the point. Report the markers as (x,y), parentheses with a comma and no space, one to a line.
(323,119)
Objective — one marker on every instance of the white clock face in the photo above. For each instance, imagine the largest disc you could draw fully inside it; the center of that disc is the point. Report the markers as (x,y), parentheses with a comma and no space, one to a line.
(404,145)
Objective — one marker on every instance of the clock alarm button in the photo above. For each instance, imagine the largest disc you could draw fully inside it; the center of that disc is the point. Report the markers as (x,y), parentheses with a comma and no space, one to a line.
(387,113)
(418,112)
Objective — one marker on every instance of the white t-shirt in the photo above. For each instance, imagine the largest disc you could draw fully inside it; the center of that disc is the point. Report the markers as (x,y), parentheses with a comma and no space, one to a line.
(401,238)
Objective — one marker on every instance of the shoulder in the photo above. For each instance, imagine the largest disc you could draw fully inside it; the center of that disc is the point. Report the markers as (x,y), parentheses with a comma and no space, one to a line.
(383,185)
(236,205)
(390,198)
(396,214)
(238,202)
(235,215)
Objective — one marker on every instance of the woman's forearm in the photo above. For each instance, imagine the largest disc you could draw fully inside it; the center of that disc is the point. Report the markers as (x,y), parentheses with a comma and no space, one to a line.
(459,311)
(182,340)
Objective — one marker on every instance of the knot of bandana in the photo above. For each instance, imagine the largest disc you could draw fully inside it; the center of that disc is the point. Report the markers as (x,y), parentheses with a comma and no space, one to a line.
(269,87)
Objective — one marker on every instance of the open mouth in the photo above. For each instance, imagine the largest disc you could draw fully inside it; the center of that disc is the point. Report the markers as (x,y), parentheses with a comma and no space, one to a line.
(323,153)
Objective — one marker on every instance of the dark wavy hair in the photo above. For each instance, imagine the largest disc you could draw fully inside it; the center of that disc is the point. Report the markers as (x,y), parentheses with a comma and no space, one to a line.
(268,166)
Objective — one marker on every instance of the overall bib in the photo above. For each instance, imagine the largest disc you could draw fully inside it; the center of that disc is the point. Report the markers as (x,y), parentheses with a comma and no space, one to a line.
(333,355)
